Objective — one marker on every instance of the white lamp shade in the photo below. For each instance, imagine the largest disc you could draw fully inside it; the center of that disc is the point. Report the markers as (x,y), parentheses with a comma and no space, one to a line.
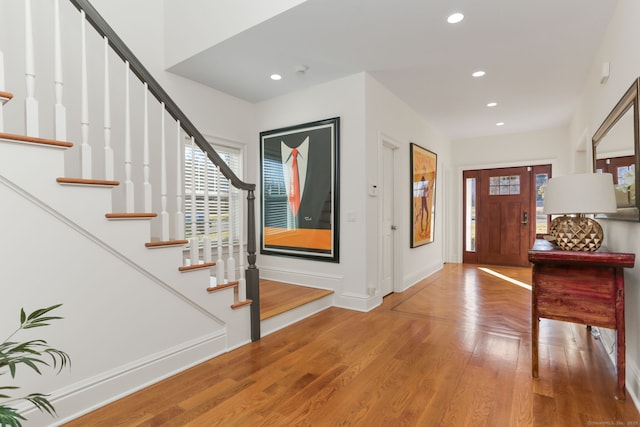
(587,193)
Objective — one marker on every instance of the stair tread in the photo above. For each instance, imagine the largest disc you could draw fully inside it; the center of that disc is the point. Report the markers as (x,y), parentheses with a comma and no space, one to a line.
(239,304)
(223,286)
(165,243)
(5,96)
(84,181)
(133,215)
(34,140)
(277,297)
(196,266)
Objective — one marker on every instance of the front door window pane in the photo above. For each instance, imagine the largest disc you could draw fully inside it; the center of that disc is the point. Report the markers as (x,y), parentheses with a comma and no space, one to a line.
(504,185)
(541,219)
(470,216)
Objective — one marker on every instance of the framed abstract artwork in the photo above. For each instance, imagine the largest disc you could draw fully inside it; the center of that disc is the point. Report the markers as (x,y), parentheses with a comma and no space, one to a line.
(299,177)
(423,195)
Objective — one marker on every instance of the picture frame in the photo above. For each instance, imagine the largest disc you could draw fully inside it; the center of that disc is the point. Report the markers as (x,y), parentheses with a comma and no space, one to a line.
(423,195)
(300,217)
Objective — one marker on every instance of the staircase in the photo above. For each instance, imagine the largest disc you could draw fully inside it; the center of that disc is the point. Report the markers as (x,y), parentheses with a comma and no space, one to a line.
(93,194)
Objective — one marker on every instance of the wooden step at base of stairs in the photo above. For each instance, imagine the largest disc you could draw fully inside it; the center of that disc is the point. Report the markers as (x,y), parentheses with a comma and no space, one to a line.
(9,137)
(5,97)
(223,286)
(139,215)
(89,182)
(239,304)
(166,244)
(196,267)
(277,297)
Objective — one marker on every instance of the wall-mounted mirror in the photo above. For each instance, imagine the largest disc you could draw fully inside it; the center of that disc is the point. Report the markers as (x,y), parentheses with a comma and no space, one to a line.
(615,150)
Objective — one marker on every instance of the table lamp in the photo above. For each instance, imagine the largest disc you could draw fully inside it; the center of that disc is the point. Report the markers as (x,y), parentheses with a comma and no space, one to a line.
(579,194)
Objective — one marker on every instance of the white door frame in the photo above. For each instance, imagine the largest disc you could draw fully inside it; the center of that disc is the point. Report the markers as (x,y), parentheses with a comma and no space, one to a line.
(388,142)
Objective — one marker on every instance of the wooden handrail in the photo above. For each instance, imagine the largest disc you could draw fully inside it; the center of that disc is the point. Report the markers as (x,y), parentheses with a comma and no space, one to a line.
(120,48)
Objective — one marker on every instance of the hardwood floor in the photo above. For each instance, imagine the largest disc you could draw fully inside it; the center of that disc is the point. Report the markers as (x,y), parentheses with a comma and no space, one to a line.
(454,350)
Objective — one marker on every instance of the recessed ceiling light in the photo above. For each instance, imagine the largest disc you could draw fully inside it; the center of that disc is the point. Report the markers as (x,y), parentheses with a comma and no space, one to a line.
(276,76)
(454,18)
(478,73)
(492,104)
(500,124)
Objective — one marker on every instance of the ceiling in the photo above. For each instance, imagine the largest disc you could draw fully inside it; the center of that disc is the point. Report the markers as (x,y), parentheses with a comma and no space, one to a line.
(536,55)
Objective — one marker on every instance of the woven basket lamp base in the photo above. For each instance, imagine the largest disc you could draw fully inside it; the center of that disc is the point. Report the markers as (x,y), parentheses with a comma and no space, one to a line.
(577,233)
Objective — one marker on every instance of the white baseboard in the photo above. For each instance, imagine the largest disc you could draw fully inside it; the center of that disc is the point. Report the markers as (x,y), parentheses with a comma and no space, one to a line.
(93,393)
(413,279)
(358,302)
(608,341)
(633,384)
(295,277)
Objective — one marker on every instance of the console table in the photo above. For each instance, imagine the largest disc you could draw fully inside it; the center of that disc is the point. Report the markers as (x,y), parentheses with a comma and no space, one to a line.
(579,287)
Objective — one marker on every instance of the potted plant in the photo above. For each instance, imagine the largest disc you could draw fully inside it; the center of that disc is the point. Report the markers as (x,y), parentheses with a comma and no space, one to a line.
(34,354)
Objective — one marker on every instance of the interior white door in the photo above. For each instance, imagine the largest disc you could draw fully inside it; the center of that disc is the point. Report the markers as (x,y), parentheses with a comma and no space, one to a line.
(388,222)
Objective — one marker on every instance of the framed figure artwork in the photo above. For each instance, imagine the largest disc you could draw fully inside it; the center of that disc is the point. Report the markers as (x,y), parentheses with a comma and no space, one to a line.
(300,191)
(423,195)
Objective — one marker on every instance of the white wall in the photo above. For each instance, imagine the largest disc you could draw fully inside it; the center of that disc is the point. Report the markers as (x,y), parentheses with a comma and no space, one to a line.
(344,98)
(205,23)
(368,111)
(389,117)
(619,48)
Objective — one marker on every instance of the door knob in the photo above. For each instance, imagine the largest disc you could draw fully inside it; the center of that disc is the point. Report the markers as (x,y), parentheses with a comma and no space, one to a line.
(525,218)
(394,228)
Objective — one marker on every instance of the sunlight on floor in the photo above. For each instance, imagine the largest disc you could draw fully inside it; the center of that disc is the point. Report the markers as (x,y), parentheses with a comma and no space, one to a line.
(503,277)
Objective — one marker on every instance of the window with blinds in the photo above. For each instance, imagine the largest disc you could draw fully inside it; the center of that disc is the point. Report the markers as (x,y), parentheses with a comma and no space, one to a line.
(224,199)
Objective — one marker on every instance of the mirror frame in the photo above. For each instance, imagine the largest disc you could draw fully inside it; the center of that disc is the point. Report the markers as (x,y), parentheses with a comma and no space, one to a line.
(628,100)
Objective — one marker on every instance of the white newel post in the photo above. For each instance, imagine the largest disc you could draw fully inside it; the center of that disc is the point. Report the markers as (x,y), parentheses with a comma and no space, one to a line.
(108,151)
(59,111)
(231,261)
(179,188)
(30,102)
(220,262)
(85,148)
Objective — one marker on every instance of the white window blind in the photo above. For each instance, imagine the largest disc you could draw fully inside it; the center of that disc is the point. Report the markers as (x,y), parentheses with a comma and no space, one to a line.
(197,163)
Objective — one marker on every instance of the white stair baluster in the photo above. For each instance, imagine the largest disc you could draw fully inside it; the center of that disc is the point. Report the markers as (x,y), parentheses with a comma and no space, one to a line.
(231,261)
(242,283)
(108,151)
(85,148)
(30,102)
(179,186)
(220,262)
(194,252)
(206,242)
(60,112)
(128,164)
(164,215)
(146,163)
